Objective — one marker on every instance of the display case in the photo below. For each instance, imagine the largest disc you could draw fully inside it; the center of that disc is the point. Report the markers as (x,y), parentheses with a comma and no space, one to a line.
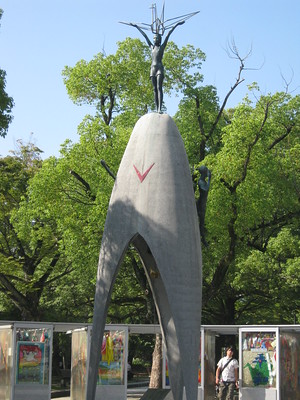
(79,363)
(112,370)
(6,362)
(25,361)
(258,364)
(289,364)
(32,370)
(209,370)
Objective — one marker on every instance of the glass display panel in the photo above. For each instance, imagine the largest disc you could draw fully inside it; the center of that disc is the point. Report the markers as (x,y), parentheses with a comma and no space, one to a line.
(259,363)
(290,365)
(209,365)
(111,370)
(32,356)
(112,365)
(5,362)
(79,361)
(199,364)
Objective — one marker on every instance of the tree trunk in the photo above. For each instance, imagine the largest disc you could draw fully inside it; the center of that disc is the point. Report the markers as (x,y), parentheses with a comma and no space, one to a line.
(156,370)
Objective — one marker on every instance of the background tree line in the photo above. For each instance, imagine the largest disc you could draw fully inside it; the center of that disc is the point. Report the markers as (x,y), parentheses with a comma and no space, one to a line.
(6,102)
(53,211)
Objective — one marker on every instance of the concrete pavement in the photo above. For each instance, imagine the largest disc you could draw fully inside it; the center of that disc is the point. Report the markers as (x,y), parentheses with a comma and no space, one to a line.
(132,394)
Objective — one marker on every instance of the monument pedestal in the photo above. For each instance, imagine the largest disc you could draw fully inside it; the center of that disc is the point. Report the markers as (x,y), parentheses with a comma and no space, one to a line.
(152,206)
(157,394)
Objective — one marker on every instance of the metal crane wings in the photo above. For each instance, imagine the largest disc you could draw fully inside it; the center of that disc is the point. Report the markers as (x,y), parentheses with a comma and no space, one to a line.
(159,25)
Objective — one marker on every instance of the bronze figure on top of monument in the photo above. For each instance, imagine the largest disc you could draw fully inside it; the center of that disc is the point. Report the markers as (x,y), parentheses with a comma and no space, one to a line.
(158,28)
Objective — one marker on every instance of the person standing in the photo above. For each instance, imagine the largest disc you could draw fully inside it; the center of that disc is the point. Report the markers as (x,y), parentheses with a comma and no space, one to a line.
(227,375)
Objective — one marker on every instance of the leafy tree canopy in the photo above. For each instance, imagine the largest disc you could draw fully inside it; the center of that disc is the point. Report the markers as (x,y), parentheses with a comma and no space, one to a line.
(251,267)
(253,214)
(6,102)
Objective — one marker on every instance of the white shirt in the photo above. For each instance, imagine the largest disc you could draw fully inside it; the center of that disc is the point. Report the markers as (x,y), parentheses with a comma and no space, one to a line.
(228,374)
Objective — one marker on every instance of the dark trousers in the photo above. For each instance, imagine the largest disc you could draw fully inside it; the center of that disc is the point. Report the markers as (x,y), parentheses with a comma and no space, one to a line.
(226,390)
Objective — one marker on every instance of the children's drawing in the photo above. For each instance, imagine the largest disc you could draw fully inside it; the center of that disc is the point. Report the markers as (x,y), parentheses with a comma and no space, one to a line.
(259,370)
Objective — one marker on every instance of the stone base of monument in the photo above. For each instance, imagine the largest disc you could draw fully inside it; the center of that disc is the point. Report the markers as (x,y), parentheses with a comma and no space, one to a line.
(152,207)
(157,394)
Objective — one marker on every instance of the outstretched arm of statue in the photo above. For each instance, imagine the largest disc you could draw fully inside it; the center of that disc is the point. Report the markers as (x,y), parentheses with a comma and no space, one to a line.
(143,33)
(170,32)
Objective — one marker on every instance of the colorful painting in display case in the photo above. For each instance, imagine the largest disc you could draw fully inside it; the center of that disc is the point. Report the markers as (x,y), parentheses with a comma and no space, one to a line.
(259,359)
(30,362)
(112,365)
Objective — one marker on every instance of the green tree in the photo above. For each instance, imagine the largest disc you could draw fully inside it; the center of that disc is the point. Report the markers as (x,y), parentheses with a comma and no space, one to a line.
(113,84)
(251,267)
(252,152)
(201,116)
(6,102)
(29,257)
(118,87)
(73,192)
(252,264)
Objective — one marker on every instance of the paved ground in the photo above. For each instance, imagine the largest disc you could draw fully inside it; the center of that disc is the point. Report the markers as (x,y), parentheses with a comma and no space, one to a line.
(132,394)
(135,393)
(129,397)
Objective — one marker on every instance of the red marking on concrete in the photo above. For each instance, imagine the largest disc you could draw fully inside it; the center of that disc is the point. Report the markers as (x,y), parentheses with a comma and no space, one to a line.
(142,176)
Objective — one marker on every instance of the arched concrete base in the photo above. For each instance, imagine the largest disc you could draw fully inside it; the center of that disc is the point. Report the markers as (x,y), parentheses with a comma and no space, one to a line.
(152,206)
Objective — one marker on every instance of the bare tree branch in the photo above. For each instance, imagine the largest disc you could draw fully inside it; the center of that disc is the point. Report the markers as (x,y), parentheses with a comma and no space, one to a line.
(287,82)
(280,138)
(232,52)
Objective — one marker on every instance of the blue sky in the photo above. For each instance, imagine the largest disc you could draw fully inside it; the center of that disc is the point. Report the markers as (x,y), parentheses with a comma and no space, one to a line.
(39,37)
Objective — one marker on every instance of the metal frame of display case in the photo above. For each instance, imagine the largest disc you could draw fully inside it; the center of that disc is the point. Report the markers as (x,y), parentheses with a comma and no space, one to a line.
(6,362)
(108,388)
(31,360)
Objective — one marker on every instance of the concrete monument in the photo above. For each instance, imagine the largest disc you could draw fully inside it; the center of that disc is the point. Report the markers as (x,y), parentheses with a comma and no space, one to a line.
(152,207)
